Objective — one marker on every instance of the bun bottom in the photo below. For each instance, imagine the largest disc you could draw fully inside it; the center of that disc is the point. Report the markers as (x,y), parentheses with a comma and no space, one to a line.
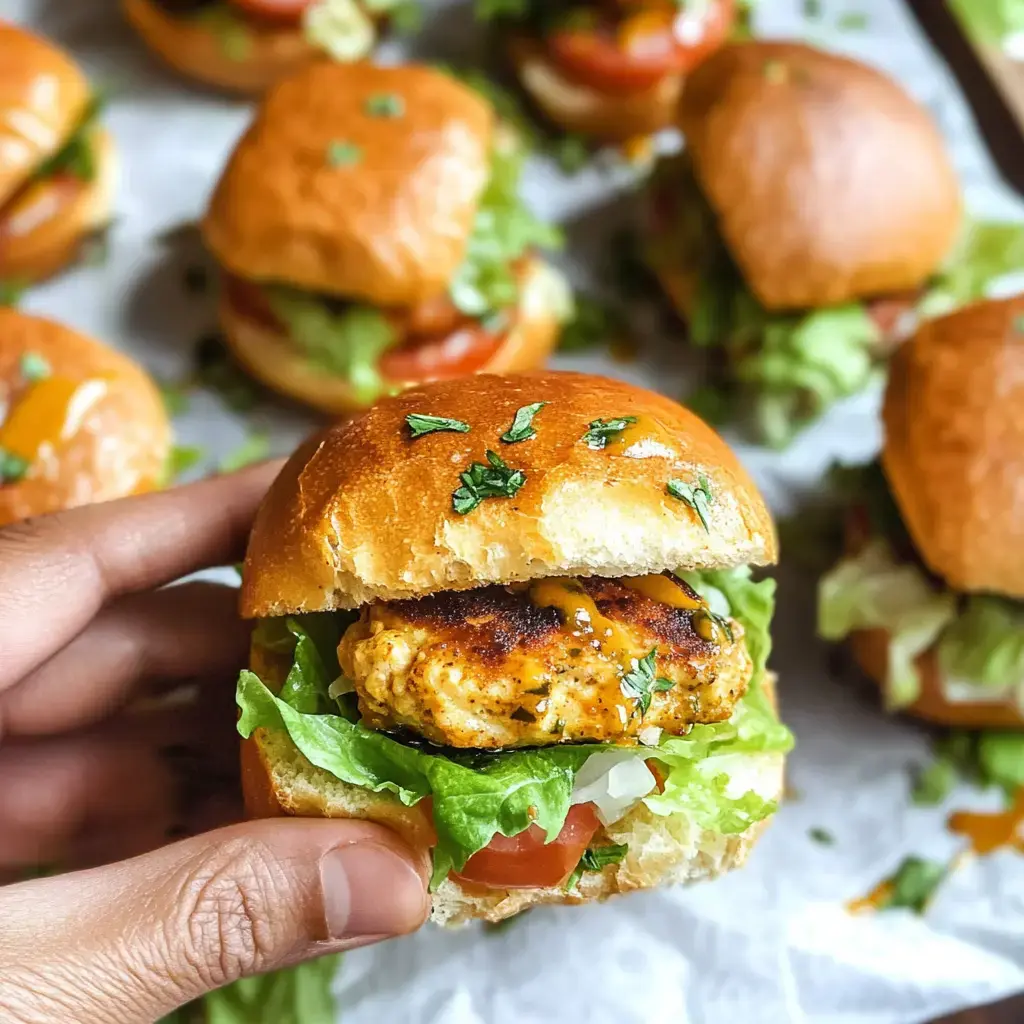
(663,850)
(270,356)
(608,117)
(195,51)
(54,242)
(870,650)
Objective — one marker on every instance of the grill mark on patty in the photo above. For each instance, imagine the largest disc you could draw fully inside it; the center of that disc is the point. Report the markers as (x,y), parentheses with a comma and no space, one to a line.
(494,621)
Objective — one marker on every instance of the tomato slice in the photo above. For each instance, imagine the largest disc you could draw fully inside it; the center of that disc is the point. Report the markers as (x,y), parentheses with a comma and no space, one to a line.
(642,49)
(464,351)
(286,12)
(525,861)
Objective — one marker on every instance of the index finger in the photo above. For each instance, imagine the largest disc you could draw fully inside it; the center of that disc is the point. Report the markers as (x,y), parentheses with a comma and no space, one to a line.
(57,571)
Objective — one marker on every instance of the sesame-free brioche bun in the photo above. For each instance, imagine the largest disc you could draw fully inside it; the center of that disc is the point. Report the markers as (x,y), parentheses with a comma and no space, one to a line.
(606,116)
(47,222)
(364,512)
(196,50)
(272,357)
(43,95)
(389,225)
(93,430)
(870,649)
(277,779)
(954,445)
(829,182)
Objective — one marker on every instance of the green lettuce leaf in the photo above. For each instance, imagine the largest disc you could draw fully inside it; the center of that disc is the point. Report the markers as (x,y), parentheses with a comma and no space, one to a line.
(477,795)
(77,156)
(1000,760)
(347,343)
(985,644)
(986,251)
(503,231)
(876,590)
(296,995)
(990,21)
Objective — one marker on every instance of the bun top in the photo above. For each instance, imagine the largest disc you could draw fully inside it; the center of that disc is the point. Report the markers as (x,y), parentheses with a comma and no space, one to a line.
(364,511)
(43,94)
(84,422)
(829,182)
(954,445)
(357,181)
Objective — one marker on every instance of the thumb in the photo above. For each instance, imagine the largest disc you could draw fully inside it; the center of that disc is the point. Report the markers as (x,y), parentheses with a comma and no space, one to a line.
(130,942)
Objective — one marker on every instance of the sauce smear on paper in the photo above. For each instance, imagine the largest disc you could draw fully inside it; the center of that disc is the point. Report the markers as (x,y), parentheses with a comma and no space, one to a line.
(990,832)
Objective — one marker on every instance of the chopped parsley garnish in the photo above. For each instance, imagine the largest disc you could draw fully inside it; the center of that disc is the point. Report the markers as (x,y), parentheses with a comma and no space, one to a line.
(491,480)
(852,21)
(11,292)
(255,448)
(822,836)
(33,367)
(934,783)
(343,154)
(707,624)
(914,884)
(603,431)
(420,424)
(522,425)
(384,104)
(640,684)
(697,497)
(596,858)
(12,467)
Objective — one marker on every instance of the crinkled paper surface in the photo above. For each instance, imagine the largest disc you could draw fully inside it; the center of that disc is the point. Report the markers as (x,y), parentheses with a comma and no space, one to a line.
(772,943)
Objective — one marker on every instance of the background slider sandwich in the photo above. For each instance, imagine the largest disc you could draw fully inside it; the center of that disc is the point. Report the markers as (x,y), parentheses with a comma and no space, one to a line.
(511,618)
(930,591)
(373,236)
(813,218)
(57,166)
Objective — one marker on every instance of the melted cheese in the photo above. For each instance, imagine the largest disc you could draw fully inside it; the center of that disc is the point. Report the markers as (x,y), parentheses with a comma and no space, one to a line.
(663,590)
(50,412)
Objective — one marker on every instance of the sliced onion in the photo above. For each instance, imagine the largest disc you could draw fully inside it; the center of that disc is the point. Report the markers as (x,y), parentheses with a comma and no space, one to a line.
(614,782)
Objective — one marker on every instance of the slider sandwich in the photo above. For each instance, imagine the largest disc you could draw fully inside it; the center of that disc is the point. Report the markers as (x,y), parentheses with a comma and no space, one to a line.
(512,618)
(247,45)
(372,236)
(930,589)
(79,422)
(813,218)
(609,69)
(57,163)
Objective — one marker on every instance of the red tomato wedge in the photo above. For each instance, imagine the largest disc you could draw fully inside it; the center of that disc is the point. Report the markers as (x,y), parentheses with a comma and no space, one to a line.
(642,49)
(466,350)
(525,861)
(287,12)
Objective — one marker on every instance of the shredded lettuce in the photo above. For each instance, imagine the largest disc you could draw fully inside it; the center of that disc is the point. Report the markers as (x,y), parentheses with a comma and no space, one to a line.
(347,343)
(477,795)
(875,590)
(296,995)
(984,646)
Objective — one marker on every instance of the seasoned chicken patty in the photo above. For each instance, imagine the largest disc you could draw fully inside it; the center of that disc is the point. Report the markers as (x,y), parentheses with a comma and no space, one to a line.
(554,661)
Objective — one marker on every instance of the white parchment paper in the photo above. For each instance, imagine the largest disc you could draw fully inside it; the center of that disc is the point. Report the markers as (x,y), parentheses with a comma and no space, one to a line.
(772,943)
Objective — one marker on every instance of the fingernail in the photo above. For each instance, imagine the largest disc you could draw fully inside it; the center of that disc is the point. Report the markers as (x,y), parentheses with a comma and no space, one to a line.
(370,890)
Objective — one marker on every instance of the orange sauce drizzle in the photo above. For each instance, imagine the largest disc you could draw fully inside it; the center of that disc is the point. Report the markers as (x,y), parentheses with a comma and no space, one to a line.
(51,411)
(645,429)
(875,900)
(663,590)
(990,832)
(581,616)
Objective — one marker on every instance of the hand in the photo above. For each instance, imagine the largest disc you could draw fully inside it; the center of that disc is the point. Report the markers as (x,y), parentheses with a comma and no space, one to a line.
(96,764)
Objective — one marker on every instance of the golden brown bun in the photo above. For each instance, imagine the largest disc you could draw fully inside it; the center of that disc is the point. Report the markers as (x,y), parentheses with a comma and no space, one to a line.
(954,445)
(870,649)
(43,94)
(365,512)
(390,228)
(52,242)
(192,48)
(122,439)
(272,357)
(608,116)
(829,182)
(663,850)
